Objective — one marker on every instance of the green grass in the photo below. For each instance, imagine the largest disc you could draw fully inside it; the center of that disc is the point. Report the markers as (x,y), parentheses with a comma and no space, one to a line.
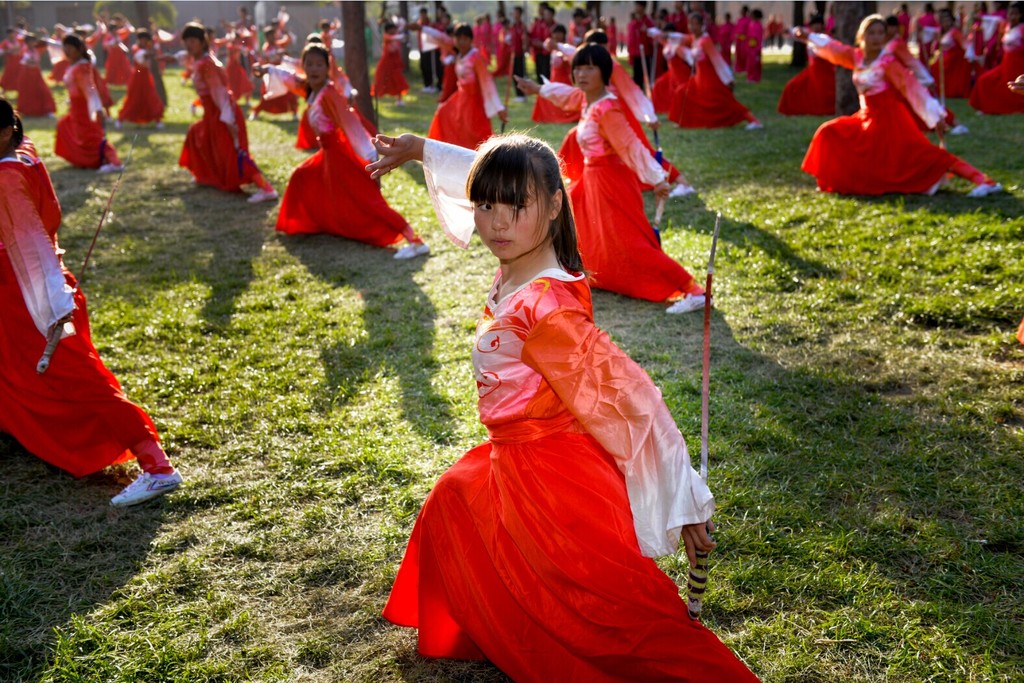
(866,438)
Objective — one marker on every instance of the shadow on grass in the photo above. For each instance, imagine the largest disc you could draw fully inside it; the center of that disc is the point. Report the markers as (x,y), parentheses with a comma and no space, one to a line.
(63,552)
(399,321)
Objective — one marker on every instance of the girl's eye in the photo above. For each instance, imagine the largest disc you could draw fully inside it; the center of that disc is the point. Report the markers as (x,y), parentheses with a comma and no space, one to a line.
(483,206)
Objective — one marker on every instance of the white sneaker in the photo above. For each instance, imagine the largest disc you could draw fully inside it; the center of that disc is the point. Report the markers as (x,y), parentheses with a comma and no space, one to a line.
(693,302)
(263,196)
(429,89)
(110,168)
(146,487)
(681,190)
(985,189)
(412,251)
(520,99)
(117,124)
(159,125)
(755,125)
(959,129)
(400,103)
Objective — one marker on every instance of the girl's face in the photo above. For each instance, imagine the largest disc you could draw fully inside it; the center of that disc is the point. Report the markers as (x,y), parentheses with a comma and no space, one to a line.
(512,237)
(696,26)
(945,21)
(463,44)
(316,70)
(874,37)
(71,52)
(194,46)
(588,78)
(1013,16)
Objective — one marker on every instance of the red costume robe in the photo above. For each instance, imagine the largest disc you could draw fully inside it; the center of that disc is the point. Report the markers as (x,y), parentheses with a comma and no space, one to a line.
(75,415)
(142,103)
(238,78)
(12,48)
(956,69)
(675,77)
(34,96)
(706,100)
(209,151)
(464,119)
(389,78)
(812,92)
(118,67)
(990,94)
(879,149)
(331,192)
(561,72)
(80,136)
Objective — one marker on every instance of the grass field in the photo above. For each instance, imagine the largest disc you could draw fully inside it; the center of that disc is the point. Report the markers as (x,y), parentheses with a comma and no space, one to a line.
(866,440)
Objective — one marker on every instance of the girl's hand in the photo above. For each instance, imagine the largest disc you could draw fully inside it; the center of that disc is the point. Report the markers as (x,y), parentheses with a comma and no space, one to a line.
(662,189)
(696,537)
(393,152)
(800,34)
(1017,86)
(527,86)
(503,115)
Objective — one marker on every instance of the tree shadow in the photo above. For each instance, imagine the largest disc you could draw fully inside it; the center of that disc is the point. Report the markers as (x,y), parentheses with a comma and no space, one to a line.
(63,552)
(399,321)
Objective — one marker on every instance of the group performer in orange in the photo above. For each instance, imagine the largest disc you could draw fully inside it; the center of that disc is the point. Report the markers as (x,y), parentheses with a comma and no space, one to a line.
(619,246)
(389,79)
(464,119)
(142,103)
(636,106)
(73,414)
(58,62)
(238,78)
(13,46)
(533,551)
(216,149)
(812,92)
(118,67)
(880,149)
(34,96)
(274,51)
(678,59)
(561,72)
(81,138)
(954,75)
(707,101)
(990,94)
(330,192)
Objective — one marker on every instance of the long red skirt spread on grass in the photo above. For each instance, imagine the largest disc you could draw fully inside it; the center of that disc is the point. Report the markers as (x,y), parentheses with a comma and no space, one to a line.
(81,140)
(617,243)
(74,416)
(990,94)
(119,67)
(210,154)
(877,150)
(812,92)
(461,119)
(544,580)
(34,96)
(331,192)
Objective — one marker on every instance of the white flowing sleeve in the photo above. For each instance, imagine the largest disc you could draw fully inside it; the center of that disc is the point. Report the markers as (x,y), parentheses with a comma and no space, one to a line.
(616,402)
(47,294)
(446,170)
(564,96)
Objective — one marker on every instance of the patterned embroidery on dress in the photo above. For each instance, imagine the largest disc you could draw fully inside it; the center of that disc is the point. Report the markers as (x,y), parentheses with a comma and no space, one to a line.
(519,319)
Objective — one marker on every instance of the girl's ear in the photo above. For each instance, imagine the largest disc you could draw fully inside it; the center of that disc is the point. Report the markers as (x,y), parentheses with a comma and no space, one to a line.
(556,204)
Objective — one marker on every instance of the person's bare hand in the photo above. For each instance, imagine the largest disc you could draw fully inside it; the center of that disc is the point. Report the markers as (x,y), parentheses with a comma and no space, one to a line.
(393,152)
(503,115)
(942,127)
(1017,86)
(527,86)
(697,537)
(800,34)
(662,189)
(654,125)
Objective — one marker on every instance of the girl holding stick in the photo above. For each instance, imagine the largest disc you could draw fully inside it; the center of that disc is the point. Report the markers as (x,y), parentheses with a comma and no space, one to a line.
(534,550)
(72,414)
(80,135)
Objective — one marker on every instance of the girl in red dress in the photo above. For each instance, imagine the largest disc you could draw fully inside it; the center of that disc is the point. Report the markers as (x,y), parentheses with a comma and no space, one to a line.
(274,50)
(12,48)
(465,118)
(389,79)
(118,65)
(880,149)
(34,96)
(561,72)
(142,103)
(356,209)
(238,78)
(707,100)
(678,58)
(216,148)
(812,92)
(990,94)
(534,550)
(956,69)
(80,135)
(74,414)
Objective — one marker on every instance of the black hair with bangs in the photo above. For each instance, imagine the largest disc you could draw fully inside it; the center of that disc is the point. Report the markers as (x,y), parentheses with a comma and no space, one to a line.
(511,170)
(594,55)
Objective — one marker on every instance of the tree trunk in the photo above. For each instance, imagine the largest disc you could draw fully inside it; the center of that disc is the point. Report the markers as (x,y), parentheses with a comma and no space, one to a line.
(353,20)
(799,59)
(710,9)
(848,18)
(403,12)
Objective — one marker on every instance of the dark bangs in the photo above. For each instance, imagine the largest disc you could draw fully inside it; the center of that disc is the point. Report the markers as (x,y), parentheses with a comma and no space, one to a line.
(593,54)
(502,174)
